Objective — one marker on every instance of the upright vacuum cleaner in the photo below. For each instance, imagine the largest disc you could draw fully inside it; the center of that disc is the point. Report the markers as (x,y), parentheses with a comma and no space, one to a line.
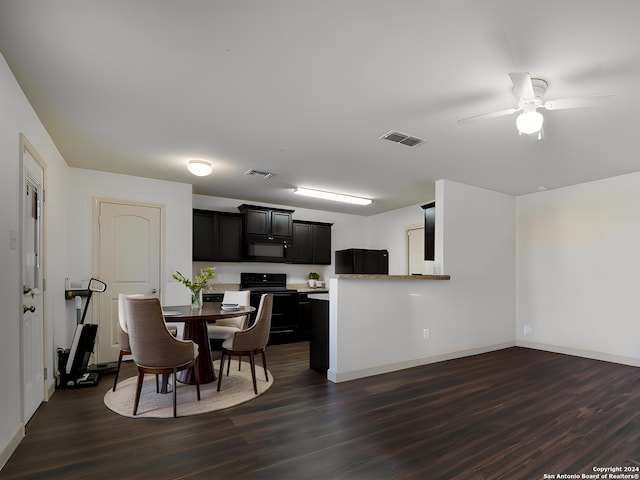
(73,362)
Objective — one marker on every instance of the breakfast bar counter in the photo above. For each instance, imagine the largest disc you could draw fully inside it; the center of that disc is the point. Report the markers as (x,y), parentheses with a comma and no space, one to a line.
(368,276)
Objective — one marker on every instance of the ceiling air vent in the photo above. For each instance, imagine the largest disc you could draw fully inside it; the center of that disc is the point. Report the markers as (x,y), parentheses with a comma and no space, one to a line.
(403,138)
(259,173)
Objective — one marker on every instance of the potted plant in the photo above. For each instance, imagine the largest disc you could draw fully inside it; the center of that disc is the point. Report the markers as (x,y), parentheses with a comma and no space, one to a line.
(197,285)
(312,277)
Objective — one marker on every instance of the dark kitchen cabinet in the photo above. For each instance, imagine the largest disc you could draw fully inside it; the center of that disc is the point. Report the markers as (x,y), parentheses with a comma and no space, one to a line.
(319,337)
(312,242)
(217,236)
(267,221)
(429,230)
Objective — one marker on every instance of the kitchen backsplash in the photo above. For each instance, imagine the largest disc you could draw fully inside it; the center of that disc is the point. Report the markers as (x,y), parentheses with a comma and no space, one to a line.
(229,273)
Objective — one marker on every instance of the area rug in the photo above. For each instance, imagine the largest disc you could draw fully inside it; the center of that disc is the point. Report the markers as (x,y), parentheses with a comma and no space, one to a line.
(237,388)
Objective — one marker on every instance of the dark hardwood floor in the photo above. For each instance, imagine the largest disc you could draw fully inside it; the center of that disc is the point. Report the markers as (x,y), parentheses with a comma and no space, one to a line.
(511,414)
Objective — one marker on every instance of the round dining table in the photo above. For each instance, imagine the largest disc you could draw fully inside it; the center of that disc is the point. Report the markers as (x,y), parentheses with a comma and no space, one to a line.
(195,328)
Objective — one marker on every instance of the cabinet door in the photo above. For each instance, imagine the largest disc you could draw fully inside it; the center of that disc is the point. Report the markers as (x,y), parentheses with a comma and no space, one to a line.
(204,233)
(302,243)
(281,224)
(229,238)
(258,222)
(429,230)
(321,244)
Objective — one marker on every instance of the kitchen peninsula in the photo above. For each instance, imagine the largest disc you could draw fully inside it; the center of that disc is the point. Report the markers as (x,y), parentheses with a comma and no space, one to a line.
(383,323)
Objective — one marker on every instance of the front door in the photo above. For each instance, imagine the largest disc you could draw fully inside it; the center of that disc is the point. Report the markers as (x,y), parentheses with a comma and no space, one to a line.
(128,259)
(32,281)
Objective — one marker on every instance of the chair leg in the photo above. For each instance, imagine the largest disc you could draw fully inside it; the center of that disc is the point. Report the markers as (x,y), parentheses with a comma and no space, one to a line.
(239,362)
(221,368)
(264,365)
(252,362)
(115,380)
(195,370)
(138,390)
(175,393)
(228,363)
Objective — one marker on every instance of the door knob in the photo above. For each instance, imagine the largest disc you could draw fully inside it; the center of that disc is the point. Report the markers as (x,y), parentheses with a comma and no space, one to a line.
(26,309)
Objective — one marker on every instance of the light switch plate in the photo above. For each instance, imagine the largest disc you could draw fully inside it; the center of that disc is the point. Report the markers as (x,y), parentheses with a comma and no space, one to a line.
(13,240)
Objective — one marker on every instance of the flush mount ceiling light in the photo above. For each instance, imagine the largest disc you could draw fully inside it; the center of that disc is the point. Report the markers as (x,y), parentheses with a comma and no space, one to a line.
(200,168)
(337,197)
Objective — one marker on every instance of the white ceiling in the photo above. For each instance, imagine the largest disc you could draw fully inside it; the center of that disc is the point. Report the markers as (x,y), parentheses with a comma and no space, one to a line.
(305,88)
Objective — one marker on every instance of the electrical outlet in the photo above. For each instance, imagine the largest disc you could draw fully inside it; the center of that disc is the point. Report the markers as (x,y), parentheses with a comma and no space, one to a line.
(426,333)
(527,329)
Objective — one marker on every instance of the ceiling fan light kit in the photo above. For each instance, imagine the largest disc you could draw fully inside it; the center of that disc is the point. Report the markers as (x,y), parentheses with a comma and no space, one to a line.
(530,93)
(529,122)
(199,168)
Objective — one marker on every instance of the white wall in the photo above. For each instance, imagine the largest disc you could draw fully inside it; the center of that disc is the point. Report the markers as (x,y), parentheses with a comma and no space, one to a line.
(86,185)
(578,268)
(348,231)
(377,326)
(387,231)
(16,117)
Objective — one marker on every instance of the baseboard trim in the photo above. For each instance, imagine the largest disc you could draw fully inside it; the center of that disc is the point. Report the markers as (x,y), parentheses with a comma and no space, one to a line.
(11,444)
(578,352)
(49,389)
(416,362)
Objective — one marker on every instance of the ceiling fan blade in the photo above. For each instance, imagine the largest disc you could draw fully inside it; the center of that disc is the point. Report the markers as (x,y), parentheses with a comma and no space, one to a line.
(577,102)
(487,116)
(522,86)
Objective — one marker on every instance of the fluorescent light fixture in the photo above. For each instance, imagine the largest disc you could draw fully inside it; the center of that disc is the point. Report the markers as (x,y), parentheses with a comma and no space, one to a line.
(200,168)
(529,122)
(337,197)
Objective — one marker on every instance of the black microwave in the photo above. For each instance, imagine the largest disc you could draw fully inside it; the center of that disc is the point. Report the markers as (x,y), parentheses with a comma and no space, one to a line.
(267,248)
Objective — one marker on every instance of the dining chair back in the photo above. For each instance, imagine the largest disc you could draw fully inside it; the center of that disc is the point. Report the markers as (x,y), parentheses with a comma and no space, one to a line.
(155,350)
(226,327)
(250,341)
(123,333)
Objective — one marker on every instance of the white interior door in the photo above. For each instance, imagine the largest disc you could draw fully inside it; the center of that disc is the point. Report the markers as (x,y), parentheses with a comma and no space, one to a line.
(32,280)
(415,251)
(129,258)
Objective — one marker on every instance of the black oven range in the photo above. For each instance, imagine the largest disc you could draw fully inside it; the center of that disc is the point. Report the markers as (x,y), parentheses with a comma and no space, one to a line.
(285,315)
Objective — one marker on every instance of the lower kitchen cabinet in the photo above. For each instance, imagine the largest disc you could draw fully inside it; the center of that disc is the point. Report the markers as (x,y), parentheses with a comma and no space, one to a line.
(319,338)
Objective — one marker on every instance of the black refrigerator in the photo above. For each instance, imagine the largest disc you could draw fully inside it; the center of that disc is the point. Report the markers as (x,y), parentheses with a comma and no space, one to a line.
(361,260)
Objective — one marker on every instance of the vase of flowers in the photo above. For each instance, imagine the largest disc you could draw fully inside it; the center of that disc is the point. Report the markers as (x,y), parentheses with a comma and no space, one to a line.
(196,286)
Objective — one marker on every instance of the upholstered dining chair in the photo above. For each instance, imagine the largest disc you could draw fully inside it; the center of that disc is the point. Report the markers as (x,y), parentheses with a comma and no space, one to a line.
(250,341)
(226,327)
(123,336)
(155,350)
(123,332)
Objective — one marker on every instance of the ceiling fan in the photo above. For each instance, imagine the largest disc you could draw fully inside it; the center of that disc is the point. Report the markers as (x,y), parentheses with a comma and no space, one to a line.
(530,94)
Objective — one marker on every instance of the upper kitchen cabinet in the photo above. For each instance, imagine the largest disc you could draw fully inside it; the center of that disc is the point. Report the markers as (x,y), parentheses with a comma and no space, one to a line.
(429,230)
(267,221)
(311,242)
(217,236)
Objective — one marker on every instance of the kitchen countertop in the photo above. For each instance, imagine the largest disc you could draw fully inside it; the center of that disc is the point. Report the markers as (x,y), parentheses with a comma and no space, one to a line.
(300,287)
(364,276)
(312,290)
